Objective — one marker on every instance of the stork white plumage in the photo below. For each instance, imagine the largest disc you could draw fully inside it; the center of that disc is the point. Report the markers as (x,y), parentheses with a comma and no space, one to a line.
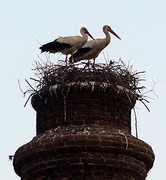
(67,45)
(93,47)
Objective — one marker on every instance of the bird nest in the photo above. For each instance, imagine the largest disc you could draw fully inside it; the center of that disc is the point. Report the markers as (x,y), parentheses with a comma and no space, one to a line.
(115,75)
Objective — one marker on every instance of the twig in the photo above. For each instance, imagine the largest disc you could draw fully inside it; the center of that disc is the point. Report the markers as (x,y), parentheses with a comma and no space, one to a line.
(30,85)
(19,85)
(28,99)
(144,104)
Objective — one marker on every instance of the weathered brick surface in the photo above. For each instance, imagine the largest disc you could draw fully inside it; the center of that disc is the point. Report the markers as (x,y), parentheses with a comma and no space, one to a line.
(83,107)
(86,136)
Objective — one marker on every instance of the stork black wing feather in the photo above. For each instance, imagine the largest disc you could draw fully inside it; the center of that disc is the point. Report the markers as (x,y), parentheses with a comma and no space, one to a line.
(81,52)
(54,46)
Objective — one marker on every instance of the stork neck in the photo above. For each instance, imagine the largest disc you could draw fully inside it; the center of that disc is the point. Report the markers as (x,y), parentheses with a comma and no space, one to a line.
(108,37)
(85,36)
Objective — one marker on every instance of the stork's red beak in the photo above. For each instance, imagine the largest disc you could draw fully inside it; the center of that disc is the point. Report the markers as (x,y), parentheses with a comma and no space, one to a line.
(111,31)
(88,33)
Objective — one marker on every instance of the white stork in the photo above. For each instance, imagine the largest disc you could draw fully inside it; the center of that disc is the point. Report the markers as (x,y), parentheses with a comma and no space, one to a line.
(93,47)
(67,45)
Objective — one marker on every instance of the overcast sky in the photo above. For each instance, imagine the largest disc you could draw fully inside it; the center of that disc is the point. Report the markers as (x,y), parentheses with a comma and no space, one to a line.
(142,28)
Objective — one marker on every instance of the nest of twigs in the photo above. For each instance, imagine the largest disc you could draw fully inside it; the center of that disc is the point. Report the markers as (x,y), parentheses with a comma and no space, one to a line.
(115,73)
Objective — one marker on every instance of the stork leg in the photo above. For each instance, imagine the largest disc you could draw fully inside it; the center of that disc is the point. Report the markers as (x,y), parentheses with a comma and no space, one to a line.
(72,59)
(66,59)
(94,62)
(88,63)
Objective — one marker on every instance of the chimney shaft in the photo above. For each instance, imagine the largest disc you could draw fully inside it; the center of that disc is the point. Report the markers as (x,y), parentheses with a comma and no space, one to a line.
(83,133)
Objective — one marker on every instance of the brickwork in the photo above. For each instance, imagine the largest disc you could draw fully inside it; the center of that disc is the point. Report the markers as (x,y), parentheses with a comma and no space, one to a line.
(83,135)
(83,107)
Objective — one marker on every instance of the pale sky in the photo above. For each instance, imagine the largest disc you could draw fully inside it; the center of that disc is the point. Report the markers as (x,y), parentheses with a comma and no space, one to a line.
(142,28)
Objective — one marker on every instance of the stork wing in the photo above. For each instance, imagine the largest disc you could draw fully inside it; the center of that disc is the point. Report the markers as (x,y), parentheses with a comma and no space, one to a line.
(54,46)
(81,51)
(71,40)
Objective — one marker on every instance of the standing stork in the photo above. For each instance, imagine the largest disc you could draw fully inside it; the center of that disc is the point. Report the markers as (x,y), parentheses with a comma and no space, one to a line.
(93,47)
(67,45)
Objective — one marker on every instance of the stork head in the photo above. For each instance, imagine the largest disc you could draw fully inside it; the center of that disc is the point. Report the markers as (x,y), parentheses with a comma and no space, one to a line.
(108,28)
(85,31)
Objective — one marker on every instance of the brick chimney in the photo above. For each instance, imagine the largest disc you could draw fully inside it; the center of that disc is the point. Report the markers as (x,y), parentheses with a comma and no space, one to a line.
(83,133)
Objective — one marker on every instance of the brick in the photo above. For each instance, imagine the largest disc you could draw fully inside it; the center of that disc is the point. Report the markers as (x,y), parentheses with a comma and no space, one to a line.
(86,143)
